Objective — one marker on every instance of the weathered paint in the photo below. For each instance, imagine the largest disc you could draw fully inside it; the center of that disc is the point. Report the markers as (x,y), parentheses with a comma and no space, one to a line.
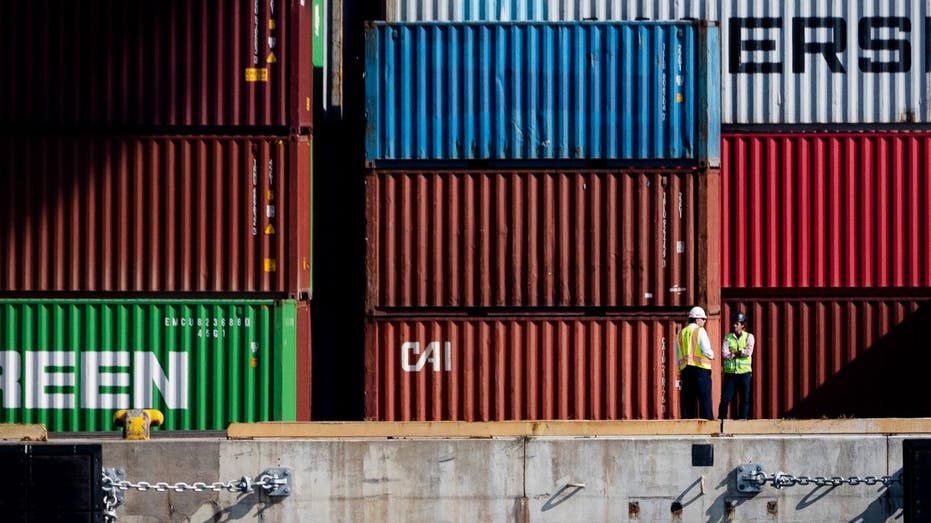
(783,61)
(155,214)
(836,357)
(70,364)
(826,210)
(509,91)
(521,368)
(156,63)
(541,238)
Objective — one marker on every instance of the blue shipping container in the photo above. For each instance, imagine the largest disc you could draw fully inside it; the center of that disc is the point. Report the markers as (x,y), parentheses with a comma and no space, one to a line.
(619,91)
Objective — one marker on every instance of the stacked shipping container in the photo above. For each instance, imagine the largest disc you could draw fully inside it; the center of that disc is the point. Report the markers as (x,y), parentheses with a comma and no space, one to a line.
(825,184)
(507,277)
(156,188)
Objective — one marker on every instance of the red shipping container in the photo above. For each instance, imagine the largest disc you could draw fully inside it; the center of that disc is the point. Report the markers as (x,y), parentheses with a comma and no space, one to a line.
(304,369)
(453,239)
(827,210)
(156,214)
(861,357)
(102,63)
(522,367)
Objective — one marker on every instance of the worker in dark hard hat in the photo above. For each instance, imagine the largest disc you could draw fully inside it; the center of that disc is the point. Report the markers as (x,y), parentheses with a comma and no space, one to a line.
(737,359)
(694,355)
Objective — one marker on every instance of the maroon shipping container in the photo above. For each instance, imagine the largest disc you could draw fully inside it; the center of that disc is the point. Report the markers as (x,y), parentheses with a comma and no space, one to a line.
(448,239)
(522,367)
(103,63)
(832,357)
(827,210)
(155,214)
(304,362)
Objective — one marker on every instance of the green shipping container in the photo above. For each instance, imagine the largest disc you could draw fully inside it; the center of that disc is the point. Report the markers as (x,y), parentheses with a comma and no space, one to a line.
(71,364)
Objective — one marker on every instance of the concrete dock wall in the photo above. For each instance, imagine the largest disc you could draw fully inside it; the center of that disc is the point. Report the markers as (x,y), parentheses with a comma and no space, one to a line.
(446,476)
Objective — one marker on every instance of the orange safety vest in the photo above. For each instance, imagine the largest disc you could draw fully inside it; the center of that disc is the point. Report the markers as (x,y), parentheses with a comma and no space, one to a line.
(688,351)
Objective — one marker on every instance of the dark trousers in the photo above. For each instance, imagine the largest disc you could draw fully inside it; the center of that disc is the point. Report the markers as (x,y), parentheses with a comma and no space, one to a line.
(739,385)
(696,389)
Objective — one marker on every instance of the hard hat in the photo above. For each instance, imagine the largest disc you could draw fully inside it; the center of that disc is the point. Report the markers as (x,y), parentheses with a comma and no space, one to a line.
(739,317)
(697,312)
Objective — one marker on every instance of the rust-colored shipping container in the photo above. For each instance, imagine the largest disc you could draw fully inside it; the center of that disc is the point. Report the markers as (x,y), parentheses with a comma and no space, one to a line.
(522,367)
(596,238)
(168,214)
(111,63)
(827,209)
(819,357)
(304,360)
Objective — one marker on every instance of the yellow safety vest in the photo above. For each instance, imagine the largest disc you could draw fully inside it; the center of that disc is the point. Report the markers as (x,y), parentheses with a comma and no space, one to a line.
(740,365)
(688,350)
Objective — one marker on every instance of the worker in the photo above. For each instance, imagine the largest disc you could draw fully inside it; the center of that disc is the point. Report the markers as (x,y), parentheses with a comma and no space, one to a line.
(694,355)
(737,359)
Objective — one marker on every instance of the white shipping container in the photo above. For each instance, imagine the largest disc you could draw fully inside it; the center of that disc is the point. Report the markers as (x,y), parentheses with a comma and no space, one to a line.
(783,61)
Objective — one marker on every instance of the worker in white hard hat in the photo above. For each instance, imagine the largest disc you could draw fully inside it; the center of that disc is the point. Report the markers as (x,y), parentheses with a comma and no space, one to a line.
(694,355)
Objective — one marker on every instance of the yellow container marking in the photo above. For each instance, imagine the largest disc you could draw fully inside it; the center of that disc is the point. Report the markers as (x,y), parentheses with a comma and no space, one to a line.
(256,74)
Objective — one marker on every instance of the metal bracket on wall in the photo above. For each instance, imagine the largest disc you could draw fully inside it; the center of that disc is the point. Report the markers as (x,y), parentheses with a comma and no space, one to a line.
(747,478)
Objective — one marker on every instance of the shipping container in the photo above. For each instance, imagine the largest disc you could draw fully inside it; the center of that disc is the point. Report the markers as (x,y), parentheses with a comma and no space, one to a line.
(110,63)
(621,91)
(70,364)
(784,61)
(541,238)
(546,10)
(521,368)
(853,356)
(304,361)
(155,214)
(827,210)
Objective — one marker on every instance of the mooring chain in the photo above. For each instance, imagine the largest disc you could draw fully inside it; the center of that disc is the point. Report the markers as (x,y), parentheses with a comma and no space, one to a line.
(780,480)
(274,482)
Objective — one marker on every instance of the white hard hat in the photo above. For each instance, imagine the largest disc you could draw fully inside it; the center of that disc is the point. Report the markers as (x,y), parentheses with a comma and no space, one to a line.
(697,312)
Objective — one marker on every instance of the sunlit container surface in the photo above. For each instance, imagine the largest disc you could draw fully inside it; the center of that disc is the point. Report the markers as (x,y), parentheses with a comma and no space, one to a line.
(70,364)
(852,357)
(540,238)
(784,61)
(516,91)
(827,210)
(124,64)
(517,368)
(155,214)
(551,10)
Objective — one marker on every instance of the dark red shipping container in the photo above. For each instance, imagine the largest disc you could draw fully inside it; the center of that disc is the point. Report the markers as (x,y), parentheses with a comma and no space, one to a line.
(862,357)
(156,214)
(522,367)
(827,210)
(453,239)
(304,369)
(112,63)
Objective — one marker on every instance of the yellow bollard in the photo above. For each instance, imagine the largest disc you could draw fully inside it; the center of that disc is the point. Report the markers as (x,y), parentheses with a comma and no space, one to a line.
(136,422)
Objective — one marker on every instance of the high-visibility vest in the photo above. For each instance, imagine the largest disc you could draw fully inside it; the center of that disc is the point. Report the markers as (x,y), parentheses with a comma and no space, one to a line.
(688,350)
(741,365)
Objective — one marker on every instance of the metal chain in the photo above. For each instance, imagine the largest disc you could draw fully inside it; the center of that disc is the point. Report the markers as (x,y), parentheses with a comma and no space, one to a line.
(273,481)
(780,480)
(244,485)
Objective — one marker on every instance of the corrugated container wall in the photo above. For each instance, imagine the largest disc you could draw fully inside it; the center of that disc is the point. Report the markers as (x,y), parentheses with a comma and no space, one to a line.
(524,91)
(524,367)
(523,239)
(827,210)
(832,357)
(69,364)
(155,214)
(784,61)
(156,63)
